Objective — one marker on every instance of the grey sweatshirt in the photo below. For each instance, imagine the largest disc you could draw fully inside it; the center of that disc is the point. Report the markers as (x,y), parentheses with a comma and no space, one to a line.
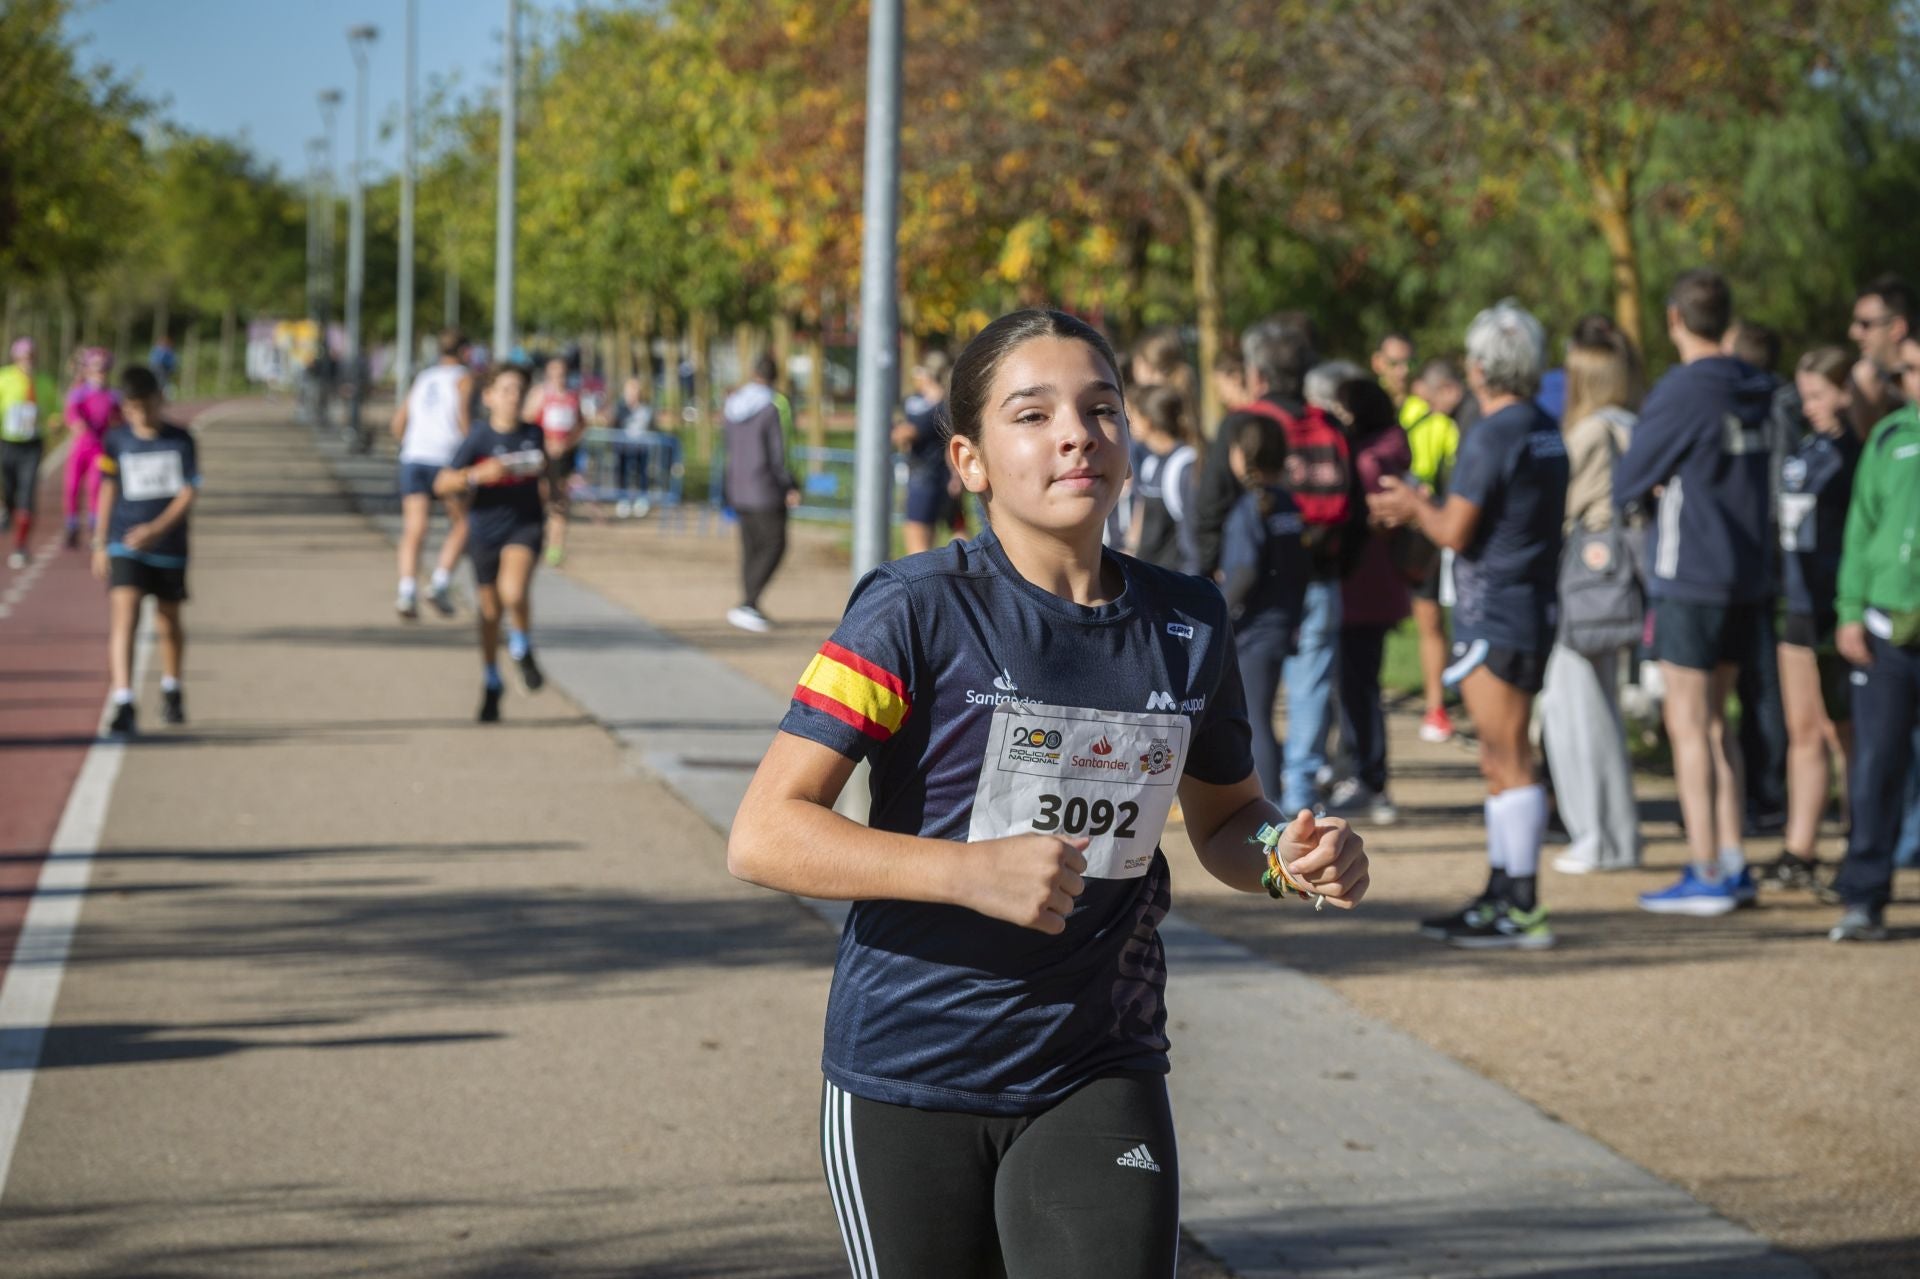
(757,478)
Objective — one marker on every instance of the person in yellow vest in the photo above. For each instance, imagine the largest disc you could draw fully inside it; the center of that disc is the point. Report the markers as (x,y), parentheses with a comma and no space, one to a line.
(29,408)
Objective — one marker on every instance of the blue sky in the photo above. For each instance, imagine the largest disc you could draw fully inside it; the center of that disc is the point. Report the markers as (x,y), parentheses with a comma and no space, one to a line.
(253,69)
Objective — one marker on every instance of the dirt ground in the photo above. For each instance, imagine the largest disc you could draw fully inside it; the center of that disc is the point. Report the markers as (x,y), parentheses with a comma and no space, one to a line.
(1766,1070)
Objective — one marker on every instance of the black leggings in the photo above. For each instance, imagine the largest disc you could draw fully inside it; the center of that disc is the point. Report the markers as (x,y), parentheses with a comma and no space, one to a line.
(1088,1188)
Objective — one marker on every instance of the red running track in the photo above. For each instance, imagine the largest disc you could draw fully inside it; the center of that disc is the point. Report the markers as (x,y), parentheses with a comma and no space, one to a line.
(53,685)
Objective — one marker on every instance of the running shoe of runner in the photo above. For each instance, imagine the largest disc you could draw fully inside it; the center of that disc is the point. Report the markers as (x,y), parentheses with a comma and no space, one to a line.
(150,477)
(29,402)
(93,408)
(430,424)
(498,469)
(1031,703)
(555,408)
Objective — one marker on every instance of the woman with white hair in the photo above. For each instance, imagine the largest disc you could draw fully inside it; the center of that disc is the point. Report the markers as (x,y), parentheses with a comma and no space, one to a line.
(1502,520)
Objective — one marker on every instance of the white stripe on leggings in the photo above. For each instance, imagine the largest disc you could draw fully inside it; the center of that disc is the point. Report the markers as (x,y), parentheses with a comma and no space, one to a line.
(829,1155)
(853,1179)
(843,1179)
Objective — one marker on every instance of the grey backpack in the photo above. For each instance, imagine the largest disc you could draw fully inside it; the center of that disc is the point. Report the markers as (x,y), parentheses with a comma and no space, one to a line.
(1603,605)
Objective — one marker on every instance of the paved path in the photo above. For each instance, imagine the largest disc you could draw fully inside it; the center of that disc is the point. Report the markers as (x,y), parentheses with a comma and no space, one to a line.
(1396,1161)
(364,988)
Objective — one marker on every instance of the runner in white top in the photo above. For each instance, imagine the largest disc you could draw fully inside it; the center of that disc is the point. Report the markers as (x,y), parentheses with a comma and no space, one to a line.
(430,424)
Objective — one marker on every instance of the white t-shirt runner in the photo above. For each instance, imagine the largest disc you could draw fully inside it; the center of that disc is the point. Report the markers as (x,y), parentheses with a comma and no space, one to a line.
(433,416)
(989,707)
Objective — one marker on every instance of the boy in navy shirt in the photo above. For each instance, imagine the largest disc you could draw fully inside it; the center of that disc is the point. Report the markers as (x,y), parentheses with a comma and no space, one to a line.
(149,476)
(1700,451)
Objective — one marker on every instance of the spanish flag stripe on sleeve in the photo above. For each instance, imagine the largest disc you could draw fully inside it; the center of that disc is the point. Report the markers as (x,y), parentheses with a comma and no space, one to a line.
(854,662)
(852,694)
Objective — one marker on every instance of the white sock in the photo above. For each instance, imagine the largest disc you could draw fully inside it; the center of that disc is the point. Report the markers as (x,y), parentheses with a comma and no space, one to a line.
(169,683)
(1496,847)
(1520,815)
(122,696)
(1732,862)
(440,579)
(409,586)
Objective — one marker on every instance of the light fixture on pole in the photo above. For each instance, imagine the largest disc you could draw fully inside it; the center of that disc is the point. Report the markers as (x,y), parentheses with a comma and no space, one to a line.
(360,43)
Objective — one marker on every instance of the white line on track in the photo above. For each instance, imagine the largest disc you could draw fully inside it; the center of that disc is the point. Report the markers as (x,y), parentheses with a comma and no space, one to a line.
(32,984)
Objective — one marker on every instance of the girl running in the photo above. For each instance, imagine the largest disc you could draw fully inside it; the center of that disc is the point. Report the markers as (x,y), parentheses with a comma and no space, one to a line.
(498,468)
(92,410)
(1030,704)
(555,408)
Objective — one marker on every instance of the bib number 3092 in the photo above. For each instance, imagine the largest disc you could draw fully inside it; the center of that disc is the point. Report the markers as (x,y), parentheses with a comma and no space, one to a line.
(1074,815)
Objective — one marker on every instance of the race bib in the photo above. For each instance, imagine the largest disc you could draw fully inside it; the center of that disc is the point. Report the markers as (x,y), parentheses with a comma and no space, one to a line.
(1799,531)
(1064,770)
(147,476)
(523,463)
(559,418)
(21,422)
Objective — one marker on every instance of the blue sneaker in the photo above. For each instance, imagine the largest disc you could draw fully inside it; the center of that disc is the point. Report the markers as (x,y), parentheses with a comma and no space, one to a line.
(1746,889)
(1692,895)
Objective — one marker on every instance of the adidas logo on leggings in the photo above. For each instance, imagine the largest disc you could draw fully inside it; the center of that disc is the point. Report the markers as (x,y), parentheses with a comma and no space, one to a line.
(1138,1158)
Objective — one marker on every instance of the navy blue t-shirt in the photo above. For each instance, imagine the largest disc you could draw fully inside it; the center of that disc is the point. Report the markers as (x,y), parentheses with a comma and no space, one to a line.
(1513,466)
(1264,561)
(513,502)
(927,455)
(989,707)
(1816,486)
(148,473)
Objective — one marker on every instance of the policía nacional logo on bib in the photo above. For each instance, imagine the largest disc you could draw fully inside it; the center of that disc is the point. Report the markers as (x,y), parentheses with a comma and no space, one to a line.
(1034,744)
(1159,757)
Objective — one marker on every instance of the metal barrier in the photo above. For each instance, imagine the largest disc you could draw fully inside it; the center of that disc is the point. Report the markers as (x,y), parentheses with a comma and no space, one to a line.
(645,470)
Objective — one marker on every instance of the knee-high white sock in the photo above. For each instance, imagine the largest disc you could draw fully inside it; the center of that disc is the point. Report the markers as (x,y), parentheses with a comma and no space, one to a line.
(1496,847)
(1520,817)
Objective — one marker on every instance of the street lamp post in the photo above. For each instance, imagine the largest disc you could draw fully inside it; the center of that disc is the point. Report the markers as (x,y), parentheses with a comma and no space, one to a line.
(879,301)
(503,212)
(360,42)
(403,363)
(330,100)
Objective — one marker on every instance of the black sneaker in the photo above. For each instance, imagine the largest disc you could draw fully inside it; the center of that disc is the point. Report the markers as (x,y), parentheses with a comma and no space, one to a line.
(174,706)
(1505,927)
(530,673)
(490,706)
(1476,914)
(441,597)
(1790,870)
(123,721)
(1860,923)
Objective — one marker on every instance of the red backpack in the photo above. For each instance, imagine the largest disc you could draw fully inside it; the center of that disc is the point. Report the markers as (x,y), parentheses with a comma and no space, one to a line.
(1319,463)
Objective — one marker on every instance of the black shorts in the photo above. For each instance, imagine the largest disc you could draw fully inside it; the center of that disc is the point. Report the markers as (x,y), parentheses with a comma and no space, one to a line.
(1701,637)
(169,584)
(1089,1187)
(1428,587)
(928,501)
(1804,630)
(19,474)
(1523,668)
(485,552)
(559,475)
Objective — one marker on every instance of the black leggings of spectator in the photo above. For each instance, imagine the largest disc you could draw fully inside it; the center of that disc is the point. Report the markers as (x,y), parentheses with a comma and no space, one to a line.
(1363,720)
(763,544)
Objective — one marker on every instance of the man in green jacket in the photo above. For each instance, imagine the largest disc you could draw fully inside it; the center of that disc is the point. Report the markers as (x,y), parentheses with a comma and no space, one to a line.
(1878,603)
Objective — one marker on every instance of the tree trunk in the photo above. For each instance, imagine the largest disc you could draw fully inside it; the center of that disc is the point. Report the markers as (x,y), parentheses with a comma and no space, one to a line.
(229,320)
(1612,213)
(68,336)
(622,357)
(190,364)
(745,346)
(643,354)
(699,336)
(123,337)
(1203,216)
(162,321)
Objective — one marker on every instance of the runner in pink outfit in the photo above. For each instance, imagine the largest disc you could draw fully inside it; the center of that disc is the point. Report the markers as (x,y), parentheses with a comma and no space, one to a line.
(92,408)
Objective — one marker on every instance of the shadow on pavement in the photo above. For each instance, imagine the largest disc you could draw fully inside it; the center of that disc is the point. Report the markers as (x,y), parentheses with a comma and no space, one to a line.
(107,1044)
(301,852)
(402,949)
(316,1232)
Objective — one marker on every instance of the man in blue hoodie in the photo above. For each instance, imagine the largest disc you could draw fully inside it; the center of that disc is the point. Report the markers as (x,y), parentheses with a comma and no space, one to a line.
(1700,452)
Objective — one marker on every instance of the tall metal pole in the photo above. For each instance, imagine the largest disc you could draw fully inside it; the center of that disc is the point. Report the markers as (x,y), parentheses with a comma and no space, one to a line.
(403,362)
(315,149)
(330,100)
(503,214)
(879,301)
(359,40)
